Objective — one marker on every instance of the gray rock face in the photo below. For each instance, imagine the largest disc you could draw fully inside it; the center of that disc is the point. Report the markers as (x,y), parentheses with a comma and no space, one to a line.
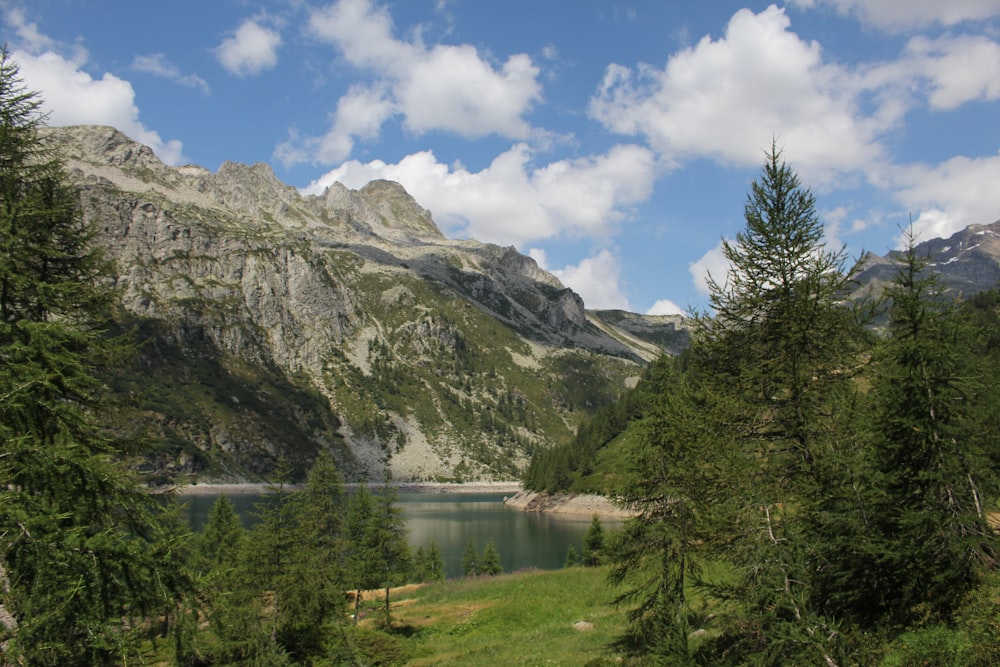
(415,342)
(967,262)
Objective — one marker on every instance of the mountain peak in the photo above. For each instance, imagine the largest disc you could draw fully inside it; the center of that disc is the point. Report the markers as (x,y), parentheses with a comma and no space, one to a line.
(386,209)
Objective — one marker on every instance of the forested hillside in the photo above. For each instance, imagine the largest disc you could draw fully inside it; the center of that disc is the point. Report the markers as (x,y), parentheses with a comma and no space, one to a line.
(815,478)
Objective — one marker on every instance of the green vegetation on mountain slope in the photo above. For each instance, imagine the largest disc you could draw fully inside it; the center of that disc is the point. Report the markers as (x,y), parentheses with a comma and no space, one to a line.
(845,476)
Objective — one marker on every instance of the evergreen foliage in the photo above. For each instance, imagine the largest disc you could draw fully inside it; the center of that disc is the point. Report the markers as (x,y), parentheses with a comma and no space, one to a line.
(470,559)
(593,543)
(820,488)
(556,468)
(489,561)
(386,543)
(85,554)
(428,564)
(930,456)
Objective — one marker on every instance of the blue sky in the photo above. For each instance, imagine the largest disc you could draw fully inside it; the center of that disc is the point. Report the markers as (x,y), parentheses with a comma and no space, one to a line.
(612,141)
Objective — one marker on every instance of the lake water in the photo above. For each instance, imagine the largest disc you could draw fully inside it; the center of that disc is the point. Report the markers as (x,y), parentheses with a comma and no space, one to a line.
(523,539)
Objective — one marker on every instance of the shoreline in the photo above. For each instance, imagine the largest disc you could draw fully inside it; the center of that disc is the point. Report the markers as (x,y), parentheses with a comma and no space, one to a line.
(570,504)
(258,488)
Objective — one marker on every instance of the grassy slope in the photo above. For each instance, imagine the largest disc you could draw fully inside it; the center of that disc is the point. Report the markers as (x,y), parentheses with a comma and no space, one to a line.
(524,618)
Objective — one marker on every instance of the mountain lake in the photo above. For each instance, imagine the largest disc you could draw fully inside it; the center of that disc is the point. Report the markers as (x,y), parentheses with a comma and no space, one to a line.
(524,539)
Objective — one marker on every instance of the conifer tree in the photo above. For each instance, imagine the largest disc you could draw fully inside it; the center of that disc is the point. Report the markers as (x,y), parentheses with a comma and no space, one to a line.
(934,474)
(593,543)
(387,542)
(313,584)
(766,374)
(362,564)
(428,564)
(470,559)
(82,548)
(489,561)
(572,557)
(675,482)
(221,540)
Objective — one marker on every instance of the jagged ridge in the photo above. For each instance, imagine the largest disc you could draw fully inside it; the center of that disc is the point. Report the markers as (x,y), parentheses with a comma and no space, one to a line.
(446,359)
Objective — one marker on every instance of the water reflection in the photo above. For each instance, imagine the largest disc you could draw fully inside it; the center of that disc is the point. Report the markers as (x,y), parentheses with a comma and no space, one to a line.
(523,539)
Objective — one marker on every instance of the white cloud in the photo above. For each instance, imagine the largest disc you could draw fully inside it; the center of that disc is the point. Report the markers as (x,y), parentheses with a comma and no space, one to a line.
(597,280)
(252,49)
(157,64)
(898,15)
(665,307)
(727,98)
(30,37)
(72,97)
(712,263)
(960,69)
(360,114)
(950,196)
(444,87)
(512,202)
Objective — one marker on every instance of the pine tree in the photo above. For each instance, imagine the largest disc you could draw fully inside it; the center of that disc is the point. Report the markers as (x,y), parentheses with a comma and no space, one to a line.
(221,540)
(83,550)
(932,462)
(489,561)
(311,588)
(675,482)
(362,564)
(386,538)
(428,564)
(572,557)
(593,543)
(470,559)
(775,364)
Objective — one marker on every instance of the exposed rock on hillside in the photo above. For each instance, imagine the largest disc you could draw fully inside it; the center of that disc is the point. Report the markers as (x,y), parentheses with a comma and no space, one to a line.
(274,324)
(967,262)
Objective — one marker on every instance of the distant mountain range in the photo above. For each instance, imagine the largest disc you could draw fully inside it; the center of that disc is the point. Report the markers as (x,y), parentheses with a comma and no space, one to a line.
(274,324)
(967,262)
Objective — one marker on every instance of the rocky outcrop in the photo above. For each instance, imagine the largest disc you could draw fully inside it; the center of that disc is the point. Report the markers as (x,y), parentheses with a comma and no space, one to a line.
(965,263)
(568,503)
(343,320)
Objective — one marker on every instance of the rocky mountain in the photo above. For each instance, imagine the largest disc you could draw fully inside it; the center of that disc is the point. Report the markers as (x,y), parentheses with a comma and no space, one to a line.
(967,262)
(272,324)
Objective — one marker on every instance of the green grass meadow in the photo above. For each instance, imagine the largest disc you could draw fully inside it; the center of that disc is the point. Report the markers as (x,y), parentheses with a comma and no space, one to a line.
(562,617)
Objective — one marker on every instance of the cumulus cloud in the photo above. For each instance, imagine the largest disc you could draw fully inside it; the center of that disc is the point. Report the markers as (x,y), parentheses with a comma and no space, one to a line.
(158,65)
(597,279)
(360,114)
(950,196)
(71,96)
(511,201)
(727,98)
(442,87)
(896,15)
(250,50)
(959,69)
(666,307)
(713,263)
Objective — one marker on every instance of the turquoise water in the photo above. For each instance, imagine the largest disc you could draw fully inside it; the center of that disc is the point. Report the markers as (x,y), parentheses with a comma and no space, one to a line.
(524,539)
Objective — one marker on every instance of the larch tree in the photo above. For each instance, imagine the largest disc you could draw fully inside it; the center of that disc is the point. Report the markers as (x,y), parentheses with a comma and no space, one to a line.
(83,549)
(932,457)
(675,483)
(778,353)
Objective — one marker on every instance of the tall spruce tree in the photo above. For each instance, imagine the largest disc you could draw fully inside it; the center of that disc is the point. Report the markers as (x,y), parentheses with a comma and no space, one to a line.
(935,479)
(674,483)
(362,565)
(386,537)
(82,547)
(779,349)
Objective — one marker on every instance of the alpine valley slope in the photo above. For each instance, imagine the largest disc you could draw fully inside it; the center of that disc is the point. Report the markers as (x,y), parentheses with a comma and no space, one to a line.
(273,324)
